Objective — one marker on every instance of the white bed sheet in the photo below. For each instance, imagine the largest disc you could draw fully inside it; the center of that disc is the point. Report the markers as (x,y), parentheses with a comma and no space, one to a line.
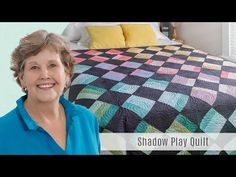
(81,46)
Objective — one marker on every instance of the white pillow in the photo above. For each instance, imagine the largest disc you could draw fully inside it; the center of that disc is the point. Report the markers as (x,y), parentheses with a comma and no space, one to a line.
(72,32)
(77,31)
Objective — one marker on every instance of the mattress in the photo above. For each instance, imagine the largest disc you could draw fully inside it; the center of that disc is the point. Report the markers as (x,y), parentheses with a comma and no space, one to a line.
(82,46)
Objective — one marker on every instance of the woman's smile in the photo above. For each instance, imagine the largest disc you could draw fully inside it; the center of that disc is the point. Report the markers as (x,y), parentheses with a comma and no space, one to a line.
(46,86)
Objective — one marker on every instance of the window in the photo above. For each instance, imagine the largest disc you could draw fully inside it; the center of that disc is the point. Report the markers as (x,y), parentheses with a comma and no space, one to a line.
(229,40)
(232,40)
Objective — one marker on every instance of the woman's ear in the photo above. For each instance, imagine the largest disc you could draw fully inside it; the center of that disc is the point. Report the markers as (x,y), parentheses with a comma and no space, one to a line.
(67,81)
(21,78)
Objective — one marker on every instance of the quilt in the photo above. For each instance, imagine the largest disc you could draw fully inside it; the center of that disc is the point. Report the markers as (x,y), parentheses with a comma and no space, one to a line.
(169,89)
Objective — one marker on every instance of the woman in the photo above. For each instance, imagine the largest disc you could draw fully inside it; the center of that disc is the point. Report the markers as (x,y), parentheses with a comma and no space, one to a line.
(43,121)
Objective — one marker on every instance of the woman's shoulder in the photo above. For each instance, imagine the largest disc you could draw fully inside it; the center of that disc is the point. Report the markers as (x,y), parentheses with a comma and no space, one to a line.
(8,119)
(8,116)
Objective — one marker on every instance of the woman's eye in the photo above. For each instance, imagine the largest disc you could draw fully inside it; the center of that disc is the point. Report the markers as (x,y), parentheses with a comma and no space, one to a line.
(34,67)
(52,65)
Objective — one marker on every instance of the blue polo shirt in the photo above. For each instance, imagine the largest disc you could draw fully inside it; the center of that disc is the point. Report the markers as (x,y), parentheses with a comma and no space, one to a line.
(20,134)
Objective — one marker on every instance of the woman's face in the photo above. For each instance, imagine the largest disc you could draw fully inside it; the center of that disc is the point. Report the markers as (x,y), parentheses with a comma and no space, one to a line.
(44,76)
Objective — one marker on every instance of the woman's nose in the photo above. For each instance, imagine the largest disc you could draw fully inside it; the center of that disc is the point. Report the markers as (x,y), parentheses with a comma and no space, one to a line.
(44,74)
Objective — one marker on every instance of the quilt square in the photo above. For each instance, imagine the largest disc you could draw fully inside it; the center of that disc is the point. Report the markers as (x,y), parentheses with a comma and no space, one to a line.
(164,70)
(96,72)
(211,66)
(114,76)
(143,56)
(175,100)
(134,80)
(144,127)
(134,50)
(98,58)
(116,98)
(208,78)
(141,106)
(198,59)
(84,79)
(214,58)
(114,52)
(228,63)
(150,93)
(207,85)
(171,47)
(154,48)
(202,93)
(121,57)
(228,75)
(78,60)
(175,60)
(166,54)
(183,80)
(124,88)
(232,118)
(104,83)
(104,112)
(156,84)
(142,73)
(74,53)
(93,52)
(124,70)
(212,122)
(228,89)
(130,64)
(179,88)
(182,52)
(182,125)
(106,66)
(81,68)
(191,68)
(154,62)
(91,92)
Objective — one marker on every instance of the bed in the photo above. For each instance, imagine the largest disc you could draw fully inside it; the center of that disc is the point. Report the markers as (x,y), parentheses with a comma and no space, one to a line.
(169,88)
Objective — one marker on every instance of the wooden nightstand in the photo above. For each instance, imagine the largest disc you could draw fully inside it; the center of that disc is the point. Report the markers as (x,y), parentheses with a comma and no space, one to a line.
(178,40)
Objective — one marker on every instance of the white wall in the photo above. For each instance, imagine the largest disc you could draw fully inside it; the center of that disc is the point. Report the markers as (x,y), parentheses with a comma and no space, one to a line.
(205,36)
(10,34)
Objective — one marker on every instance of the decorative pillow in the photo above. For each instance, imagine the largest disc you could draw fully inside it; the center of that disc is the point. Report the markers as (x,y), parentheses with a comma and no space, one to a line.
(102,37)
(79,27)
(85,39)
(137,35)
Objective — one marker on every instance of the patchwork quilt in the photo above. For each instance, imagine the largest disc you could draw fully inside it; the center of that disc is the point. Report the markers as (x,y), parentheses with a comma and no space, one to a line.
(172,88)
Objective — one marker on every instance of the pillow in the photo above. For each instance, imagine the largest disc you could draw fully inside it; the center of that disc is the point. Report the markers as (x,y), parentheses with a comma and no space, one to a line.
(137,35)
(78,30)
(103,37)
(81,29)
(72,32)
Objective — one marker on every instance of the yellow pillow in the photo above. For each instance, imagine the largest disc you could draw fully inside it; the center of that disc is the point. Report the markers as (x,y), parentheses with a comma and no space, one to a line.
(137,35)
(103,37)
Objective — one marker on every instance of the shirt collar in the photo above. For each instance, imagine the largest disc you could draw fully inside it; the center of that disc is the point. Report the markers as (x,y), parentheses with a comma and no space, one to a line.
(70,111)
(70,108)
(30,123)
